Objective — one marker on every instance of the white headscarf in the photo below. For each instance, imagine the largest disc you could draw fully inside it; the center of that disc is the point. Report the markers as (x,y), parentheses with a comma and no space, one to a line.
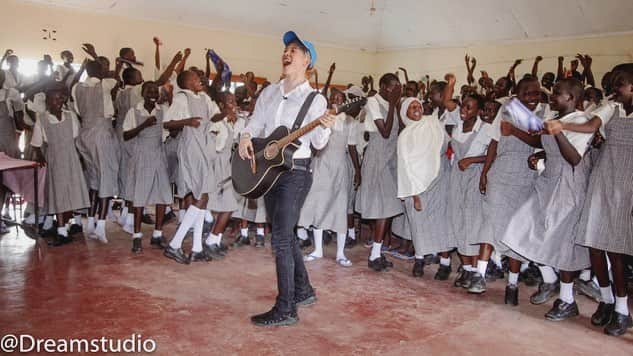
(419,152)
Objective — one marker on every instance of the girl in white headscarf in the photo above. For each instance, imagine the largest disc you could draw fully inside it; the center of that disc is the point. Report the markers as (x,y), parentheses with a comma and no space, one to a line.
(423,183)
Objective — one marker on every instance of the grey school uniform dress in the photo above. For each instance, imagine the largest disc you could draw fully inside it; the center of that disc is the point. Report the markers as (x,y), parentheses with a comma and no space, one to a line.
(325,206)
(147,179)
(8,137)
(430,227)
(223,197)
(465,201)
(377,195)
(97,142)
(65,186)
(196,151)
(544,228)
(171,152)
(607,219)
(510,184)
(126,99)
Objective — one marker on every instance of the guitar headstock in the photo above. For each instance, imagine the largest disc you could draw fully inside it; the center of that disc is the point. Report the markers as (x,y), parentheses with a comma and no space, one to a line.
(351,105)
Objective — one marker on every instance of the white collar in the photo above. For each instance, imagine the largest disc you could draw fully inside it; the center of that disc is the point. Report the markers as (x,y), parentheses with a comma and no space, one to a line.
(305,86)
(141,106)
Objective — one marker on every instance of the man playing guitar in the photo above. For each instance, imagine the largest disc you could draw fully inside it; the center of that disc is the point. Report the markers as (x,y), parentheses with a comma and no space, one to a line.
(279,105)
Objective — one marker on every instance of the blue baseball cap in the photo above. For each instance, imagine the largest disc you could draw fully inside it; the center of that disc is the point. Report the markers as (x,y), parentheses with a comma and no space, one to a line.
(291,36)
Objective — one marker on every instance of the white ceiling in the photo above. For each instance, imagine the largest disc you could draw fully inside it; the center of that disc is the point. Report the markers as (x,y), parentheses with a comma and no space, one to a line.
(396,24)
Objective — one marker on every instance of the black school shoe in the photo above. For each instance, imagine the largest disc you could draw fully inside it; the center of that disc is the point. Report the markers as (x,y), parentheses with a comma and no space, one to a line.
(137,246)
(60,240)
(275,318)
(241,241)
(199,257)
(494,272)
(562,311)
(380,264)
(588,289)
(305,243)
(223,247)
(546,291)
(418,268)
(75,229)
(259,241)
(443,273)
(512,295)
(461,278)
(158,242)
(213,251)
(477,284)
(531,276)
(619,324)
(603,314)
(176,254)
(350,243)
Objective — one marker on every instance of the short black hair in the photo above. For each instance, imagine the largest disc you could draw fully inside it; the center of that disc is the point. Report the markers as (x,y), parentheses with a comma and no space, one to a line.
(93,68)
(54,87)
(146,84)
(598,92)
(388,78)
(479,99)
(573,87)
(128,74)
(182,76)
(124,51)
(525,81)
(440,86)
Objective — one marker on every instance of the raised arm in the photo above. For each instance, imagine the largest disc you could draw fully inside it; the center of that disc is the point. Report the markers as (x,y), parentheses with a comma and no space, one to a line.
(90,50)
(181,65)
(79,73)
(537,60)
(511,72)
(449,90)
(157,44)
(587,73)
(470,78)
(329,79)
(406,74)
(6,54)
(169,70)
(559,71)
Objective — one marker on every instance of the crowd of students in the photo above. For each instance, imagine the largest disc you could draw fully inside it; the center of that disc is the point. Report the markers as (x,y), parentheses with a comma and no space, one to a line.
(448,175)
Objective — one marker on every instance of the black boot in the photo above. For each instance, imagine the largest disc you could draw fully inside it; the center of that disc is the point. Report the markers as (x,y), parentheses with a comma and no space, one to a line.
(603,314)
(562,311)
(418,268)
(275,318)
(618,325)
(512,295)
(137,246)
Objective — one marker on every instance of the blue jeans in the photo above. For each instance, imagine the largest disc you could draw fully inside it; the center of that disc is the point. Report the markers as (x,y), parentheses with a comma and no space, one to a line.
(283,205)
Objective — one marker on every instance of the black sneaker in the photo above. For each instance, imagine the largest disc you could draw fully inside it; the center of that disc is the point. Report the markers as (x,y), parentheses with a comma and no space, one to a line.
(350,243)
(618,325)
(443,273)
(546,291)
(199,257)
(176,254)
(259,241)
(531,276)
(588,289)
(275,318)
(477,284)
(137,246)
(418,268)
(241,241)
(158,242)
(75,229)
(213,251)
(306,301)
(169,217)
(603,314)
(223,247)
(468,280)
(562,311)
(512,295)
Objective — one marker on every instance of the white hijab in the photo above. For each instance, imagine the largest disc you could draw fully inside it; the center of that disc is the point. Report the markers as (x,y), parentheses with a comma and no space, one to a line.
(419,146)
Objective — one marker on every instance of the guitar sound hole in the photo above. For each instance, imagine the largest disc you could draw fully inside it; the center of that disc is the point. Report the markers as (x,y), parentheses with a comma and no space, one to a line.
(271,151)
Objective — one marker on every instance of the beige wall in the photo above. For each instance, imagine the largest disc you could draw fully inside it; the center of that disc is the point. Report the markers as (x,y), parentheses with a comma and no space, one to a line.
(261,54)
(108,33)
(497,59)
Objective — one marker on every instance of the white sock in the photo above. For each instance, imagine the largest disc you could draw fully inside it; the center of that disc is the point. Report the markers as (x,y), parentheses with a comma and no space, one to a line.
(123,217)
(157,233)
(213,239)
(302,233)
(187,221)
(62,231)
(318,243)
(594,279)
(208,217)
(445,261)
(197,232)
(167,209)
(181,215)
(418,257)
(585,275)
(375,250)
(481,267)
(129,219)
(496,258)
(549,276)
(567,292)
(340,246)
(513,279)
(621,305)
(260,231)
(607,295)
(90,224)
(48,222)
(351,233)
(244,231)
(101,225)
(524,266)
(137,235)
(110,203)
(468,268)
(77,219)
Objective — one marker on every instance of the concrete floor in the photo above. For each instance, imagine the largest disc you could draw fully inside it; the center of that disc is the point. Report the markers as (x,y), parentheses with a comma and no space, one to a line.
(88,290)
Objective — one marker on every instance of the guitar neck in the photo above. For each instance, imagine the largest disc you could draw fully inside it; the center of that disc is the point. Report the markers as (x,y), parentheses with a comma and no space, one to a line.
(293,136)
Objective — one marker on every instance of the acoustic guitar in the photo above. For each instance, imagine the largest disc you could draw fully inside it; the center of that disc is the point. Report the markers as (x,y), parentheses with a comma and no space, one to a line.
(273,156)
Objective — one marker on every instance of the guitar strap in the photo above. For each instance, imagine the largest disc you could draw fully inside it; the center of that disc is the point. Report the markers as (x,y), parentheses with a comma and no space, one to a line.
(303,111)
